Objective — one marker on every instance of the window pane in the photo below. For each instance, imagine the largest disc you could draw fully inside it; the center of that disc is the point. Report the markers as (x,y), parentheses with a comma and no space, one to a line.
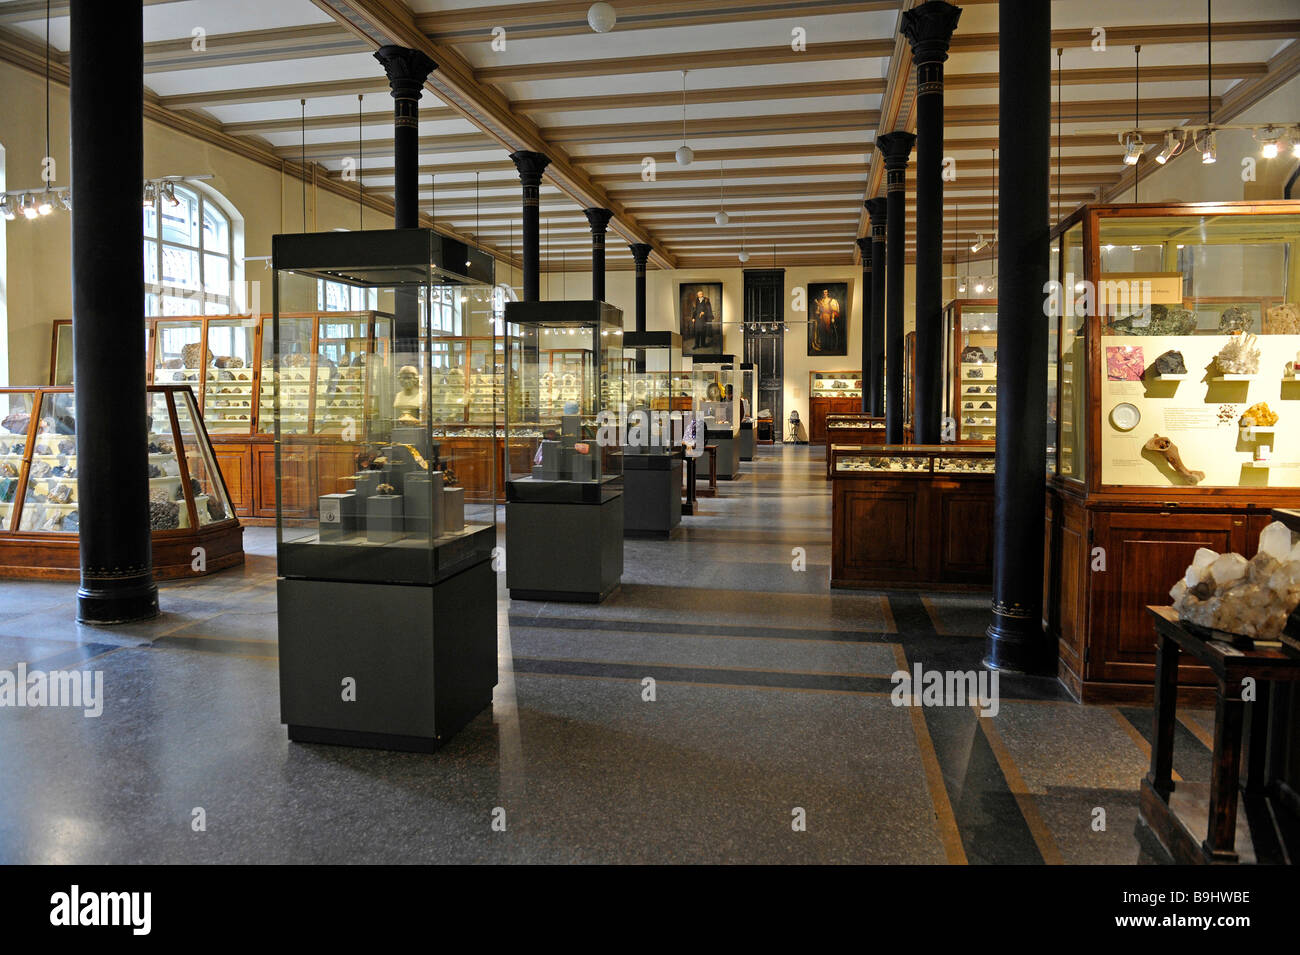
(177,305)
(180,222)
(151,304)
(180,267)
(216,274)
(151,220)
(150,262)
(216,234)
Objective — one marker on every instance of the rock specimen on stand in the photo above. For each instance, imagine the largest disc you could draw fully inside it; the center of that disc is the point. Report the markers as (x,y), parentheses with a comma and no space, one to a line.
(1240,356)
(1252,598)
(1170,363)
(1259,415)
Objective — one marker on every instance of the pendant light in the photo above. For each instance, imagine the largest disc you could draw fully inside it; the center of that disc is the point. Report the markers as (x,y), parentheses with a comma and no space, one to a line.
(684,153)
(721,218)
(744,256)
(601,17)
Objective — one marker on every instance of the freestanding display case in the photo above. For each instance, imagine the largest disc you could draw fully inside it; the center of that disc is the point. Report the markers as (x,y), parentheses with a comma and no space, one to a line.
(565,368)
(971,369)
(717,409)
(748,393)
(1175,419)
(655,422)
(387,596)
(195,532)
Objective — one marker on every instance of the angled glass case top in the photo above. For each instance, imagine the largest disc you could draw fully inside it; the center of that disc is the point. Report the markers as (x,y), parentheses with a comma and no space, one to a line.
(16,410)
(565,377)
(655,414)
(374,490)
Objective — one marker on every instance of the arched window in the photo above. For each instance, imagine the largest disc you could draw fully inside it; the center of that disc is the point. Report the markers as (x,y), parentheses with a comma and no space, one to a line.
(188,252)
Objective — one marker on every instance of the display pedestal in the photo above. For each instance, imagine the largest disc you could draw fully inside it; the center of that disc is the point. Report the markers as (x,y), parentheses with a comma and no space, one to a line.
(423,659)
(728,445)
(746,440)
(652,495)
(569,551)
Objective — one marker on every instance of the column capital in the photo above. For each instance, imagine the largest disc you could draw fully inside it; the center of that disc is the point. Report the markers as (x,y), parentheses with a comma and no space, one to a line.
(598,219)
(929,28)
(878,210)
(407,70)
(864,246)
(896,147)
(531,166)
(640,254)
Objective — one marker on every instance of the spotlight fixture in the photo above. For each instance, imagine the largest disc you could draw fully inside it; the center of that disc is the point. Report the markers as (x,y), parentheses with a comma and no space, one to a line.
(979,288)
(6,209)
(1269,147)
(168,191)
(1209,153)
(601,17)
(44,206)
(150,195)
(1133,147)
(990,286)
(65,199)
(1167,152)
(684,153)
(1295,142)
(28,206)
(981,243)
(961,285)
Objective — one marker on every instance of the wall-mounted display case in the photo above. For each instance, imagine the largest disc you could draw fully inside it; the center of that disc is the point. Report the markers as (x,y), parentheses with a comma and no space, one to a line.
(911,516)
(39,510)
(971,369)
(1171,423)
(385,532)
(565,376)
(831,392)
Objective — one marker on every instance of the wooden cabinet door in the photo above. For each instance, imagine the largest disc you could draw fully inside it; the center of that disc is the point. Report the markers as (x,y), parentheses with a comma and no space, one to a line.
(817,411)
(235,462)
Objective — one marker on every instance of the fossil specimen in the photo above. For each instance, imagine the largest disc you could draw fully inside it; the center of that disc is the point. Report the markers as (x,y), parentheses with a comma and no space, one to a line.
(1169,450)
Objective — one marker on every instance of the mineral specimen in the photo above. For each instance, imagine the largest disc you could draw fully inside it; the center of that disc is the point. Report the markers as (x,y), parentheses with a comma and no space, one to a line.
(164,515)
(1170,363)
(1163,320)
(973,353)
(1259,415)
(1240,356)
(1235,319)
(216,510)
(1169,450)
(1284,319)
(1252,598)
(16,423)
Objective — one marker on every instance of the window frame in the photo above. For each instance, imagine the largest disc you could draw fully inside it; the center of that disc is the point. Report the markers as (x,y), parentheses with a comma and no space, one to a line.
(209,303)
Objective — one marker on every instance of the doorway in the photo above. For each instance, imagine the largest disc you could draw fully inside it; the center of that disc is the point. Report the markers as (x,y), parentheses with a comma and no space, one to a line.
(765,341)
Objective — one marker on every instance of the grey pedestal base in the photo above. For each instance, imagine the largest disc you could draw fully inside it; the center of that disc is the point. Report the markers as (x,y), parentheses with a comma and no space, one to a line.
(747,441)
(728,454)
(570,552)
(652,495)
(423,659)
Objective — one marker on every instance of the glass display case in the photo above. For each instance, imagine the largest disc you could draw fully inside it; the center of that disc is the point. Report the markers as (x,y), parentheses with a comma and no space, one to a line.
(189,505)
(716,406)
(656,412)
(835,384)
(1176,412)
(971,369)
(748,397)
(373,527)
(61,352)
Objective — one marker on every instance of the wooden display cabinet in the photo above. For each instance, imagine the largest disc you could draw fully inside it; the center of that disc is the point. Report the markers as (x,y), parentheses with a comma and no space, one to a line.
(1121,525)
(826,399)
(970,386)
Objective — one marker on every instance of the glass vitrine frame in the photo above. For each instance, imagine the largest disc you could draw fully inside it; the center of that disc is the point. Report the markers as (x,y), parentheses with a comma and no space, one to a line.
(961,376)
(723,371)
(651,388)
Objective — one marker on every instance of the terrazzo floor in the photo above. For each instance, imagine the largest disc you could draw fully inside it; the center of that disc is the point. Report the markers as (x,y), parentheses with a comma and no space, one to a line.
(772,737)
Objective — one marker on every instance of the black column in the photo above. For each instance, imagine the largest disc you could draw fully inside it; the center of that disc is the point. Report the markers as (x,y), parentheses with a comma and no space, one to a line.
(895,147)
(928,28)
(107,99)
(868,324)
(877,209)
(640,255)
(1015,639)
(407,70)
(531,166)
(598,218)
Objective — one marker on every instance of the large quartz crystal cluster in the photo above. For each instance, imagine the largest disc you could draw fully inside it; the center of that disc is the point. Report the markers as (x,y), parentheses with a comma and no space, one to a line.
(1253,597)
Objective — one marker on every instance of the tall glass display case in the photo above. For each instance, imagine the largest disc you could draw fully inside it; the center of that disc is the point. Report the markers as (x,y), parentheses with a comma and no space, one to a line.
(1176,423)
(971,369)
(655,422)
(565,378)
(384,534)
(748,395)
(717,409)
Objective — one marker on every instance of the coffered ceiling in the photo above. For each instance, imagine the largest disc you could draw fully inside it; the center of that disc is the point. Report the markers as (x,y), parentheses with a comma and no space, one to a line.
(782,137)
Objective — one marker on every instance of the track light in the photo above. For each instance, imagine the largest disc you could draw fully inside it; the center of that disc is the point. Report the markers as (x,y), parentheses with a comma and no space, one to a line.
(1167,152)
(7,209)
(28,206)
(168,191)
(44,206)
(65,200)
(979,288)
(981,243)
(1133,147)
(150,195)
(1209,153)
(961,286)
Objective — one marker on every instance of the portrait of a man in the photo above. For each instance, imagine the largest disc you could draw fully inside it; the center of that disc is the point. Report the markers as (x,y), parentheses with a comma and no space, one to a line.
(700,317)
(828,318)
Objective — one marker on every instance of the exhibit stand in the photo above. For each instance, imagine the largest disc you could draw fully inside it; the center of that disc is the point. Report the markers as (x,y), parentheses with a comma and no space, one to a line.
(1174,411)
(717,409)
(387,594)
(654,424)
(565,374)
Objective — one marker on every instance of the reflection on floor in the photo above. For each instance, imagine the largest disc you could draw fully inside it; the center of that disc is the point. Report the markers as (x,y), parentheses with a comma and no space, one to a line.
(772,705)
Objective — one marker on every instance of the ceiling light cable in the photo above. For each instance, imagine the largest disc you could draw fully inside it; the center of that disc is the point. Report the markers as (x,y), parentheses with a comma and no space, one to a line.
(303,104)
(361,206)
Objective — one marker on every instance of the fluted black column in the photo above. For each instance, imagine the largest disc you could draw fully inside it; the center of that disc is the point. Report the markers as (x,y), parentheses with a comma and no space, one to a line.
(868,325)
(598,218)
(107,98)
(407,70)
(874,381)
(928,28)
(1015,638)
(896,147)
(531,166)
(640,255)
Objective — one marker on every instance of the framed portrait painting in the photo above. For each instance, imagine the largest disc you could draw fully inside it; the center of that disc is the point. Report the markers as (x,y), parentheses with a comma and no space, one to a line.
(828,319)
(699,315)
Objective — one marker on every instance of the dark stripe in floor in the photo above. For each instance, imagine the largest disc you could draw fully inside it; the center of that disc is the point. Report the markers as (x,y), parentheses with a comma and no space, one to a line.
(558,622)
(910,615)
(1191,757)
(705,675)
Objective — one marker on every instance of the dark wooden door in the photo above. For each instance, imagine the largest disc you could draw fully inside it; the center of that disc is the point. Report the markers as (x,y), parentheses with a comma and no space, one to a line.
(765,341)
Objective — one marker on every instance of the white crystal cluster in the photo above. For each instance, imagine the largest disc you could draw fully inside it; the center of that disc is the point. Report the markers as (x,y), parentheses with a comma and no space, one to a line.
(1249,597)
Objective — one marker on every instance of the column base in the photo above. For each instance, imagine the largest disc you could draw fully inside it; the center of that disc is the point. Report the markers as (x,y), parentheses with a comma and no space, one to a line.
(1020,646)
(124,602)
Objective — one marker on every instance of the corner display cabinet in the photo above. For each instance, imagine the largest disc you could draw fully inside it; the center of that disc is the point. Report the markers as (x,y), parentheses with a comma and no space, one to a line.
(1173,417)
(971,369)
(39,513)
(387,595)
